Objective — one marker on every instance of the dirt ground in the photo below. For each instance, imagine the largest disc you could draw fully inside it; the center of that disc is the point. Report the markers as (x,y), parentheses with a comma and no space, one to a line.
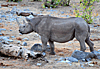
(61,49)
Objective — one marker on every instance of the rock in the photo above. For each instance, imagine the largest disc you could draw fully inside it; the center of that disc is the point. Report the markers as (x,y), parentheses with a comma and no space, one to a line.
(18,42)
(5,42)
(98,50)
(67,16)
(26,10)
(3,16)
(18,51)
(96,53)
(62,12)
(26,39)
(91,65)
(24,44)
(0,21)
(78,55)
(5,38)
(12,36)
(39,64)
(62,58)
(38,47)
(30,16)
(0,43)
(83,55)
(1,33)
(56,59)
(72,59)
(88,59)
(1,29)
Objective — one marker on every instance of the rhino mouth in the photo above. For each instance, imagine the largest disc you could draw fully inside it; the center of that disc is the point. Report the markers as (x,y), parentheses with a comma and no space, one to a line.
(24,32)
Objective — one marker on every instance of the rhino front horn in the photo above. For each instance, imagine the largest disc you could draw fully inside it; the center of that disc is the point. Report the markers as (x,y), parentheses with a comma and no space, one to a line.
(17,21)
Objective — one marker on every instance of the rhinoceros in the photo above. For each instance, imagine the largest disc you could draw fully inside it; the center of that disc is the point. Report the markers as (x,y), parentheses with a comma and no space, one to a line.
(54,29)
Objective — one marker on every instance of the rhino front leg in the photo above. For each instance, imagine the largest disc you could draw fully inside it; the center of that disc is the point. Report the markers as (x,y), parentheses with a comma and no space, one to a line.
(52,47)
(44,43)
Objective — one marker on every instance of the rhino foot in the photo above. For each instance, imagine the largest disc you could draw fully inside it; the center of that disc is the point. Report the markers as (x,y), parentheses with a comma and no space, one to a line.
(52,53)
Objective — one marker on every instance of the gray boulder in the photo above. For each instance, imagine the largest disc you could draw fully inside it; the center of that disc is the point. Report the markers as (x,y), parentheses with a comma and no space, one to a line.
(80,55)
(38,47)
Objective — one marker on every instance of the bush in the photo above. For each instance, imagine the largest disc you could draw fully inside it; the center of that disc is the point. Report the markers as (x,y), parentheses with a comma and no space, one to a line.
(14,0)
(55,3)
(84,10)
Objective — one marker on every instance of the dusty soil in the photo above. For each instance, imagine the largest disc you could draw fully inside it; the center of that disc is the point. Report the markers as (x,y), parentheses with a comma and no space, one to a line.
(61,49)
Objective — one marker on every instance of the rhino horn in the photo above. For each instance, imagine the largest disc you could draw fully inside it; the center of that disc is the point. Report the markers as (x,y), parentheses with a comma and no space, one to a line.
(28,19)
(17,21)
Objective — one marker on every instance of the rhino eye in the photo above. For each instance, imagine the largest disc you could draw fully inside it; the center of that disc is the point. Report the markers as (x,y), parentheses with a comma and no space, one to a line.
(23,26)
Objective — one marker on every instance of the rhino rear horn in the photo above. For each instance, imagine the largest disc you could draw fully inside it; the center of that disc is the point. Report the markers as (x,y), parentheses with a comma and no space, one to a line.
(17,21)
(27,19)
(24,21)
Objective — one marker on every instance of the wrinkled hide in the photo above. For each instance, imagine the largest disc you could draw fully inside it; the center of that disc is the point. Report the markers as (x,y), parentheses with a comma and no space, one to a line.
(53,29)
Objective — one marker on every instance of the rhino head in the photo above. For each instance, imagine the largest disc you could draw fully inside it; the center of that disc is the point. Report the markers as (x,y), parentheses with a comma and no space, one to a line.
(25,28)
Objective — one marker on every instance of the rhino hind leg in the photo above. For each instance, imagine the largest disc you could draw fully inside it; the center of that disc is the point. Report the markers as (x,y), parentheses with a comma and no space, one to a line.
(51,47)
(90,44)
(81,38)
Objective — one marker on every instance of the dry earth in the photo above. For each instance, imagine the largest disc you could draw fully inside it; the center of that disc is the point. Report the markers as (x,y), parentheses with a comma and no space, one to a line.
(61,49)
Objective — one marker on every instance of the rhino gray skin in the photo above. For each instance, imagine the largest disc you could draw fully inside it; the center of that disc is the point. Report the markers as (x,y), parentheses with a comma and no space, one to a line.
(53,29)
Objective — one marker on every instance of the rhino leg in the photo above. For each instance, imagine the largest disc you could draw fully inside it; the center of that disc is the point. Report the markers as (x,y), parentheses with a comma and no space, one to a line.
(44,43)
(81,38)
(52,47)
(90,44)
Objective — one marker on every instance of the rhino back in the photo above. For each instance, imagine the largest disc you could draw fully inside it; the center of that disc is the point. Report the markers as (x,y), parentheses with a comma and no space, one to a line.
(62,29)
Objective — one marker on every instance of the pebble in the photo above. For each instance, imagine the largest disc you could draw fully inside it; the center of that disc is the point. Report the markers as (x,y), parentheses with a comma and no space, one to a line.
(72,59)
(62,12)
(67,16)
(25,39)
(26,10)
(30,16)
(1,34)
(12,36)
(38,47)
(62,58)
(24,44)
(39,64)
(6,42)
(0,21)
(2,29)
(5,38)
(3,16)
(0,43)
(18,42)
(91,65)
(56,59)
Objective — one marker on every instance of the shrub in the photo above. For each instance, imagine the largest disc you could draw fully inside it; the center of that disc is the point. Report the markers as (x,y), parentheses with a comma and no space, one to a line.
(14,0)
(55,3)
(84,10)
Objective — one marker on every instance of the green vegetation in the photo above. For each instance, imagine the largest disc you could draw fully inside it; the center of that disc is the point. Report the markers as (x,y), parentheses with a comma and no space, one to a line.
(84,10)
(14,0)
(55,3)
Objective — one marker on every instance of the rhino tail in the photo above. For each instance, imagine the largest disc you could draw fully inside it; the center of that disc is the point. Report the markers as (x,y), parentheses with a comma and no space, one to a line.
(88,31)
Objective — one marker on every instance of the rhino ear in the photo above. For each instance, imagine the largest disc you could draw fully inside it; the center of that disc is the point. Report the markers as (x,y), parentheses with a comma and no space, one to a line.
(17,21)
(27,19)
